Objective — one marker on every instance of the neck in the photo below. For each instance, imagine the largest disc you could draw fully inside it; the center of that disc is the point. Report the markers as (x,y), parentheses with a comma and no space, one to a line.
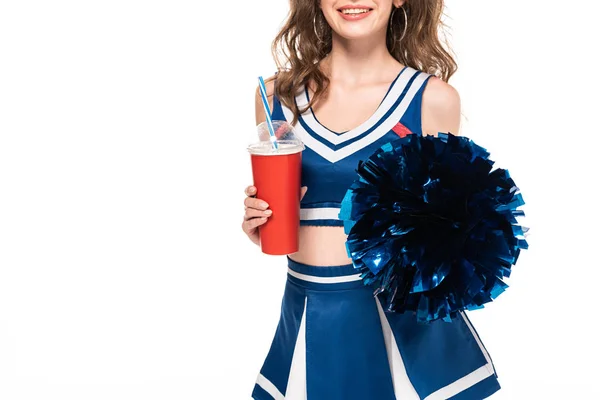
(351,60)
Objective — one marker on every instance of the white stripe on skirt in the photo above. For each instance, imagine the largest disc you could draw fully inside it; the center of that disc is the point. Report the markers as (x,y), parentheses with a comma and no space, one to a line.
(403,388)
(296,387)
(268,386)
(324,279)
(468,380)
(483,350)
(460,385)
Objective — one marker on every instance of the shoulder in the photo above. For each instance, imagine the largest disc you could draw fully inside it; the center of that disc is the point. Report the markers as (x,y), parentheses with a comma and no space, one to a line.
(258,104)
(270,86)
(440,107)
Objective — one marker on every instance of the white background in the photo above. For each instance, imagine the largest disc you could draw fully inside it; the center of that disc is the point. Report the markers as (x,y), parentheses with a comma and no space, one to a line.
(124,273)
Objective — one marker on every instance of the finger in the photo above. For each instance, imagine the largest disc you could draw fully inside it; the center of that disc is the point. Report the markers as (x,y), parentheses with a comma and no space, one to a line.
(259,204)
(253,213)
(250,191)
(303,191)
(253,223)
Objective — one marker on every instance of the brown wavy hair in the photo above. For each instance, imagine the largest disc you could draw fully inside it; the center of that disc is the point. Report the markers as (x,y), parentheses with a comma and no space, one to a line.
(306,38)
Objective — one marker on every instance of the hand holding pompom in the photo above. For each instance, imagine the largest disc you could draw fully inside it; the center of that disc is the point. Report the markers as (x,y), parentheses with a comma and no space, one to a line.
(431,226)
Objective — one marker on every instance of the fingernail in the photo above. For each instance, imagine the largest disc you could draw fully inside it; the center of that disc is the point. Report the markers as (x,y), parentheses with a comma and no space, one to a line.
(264,205)
(268,212)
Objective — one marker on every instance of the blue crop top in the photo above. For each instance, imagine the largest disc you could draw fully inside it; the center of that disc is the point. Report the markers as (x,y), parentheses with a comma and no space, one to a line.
(330,159)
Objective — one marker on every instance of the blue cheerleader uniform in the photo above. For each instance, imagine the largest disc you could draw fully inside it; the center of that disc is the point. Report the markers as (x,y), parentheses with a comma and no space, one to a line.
(334,341)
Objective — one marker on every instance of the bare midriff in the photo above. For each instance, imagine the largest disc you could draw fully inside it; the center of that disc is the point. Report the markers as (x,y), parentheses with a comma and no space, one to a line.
(322,246)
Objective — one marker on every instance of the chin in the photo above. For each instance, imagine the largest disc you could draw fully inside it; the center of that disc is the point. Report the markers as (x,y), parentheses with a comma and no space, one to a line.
(356,34)
(357,26)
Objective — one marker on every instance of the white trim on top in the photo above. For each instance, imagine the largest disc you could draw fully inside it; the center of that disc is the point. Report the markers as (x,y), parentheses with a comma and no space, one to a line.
(336,155)
(319,213)
(391,97)
(324,279)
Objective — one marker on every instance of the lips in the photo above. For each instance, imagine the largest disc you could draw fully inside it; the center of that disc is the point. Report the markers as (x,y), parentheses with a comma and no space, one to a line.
(354,12)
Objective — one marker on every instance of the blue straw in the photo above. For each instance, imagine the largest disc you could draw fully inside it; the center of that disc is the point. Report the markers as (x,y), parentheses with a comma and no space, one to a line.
(263,94)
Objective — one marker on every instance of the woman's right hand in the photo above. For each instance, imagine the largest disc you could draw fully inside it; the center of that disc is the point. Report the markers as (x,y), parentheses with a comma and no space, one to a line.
(257,212)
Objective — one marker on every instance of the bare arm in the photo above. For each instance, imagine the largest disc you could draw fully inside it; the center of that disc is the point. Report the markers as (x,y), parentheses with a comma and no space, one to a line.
(441,108)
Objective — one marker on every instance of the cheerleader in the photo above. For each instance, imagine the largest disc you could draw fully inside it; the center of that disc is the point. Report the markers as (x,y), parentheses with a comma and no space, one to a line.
(356,75)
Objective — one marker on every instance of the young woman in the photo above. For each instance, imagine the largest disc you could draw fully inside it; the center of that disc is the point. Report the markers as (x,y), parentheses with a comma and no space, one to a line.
(358,74)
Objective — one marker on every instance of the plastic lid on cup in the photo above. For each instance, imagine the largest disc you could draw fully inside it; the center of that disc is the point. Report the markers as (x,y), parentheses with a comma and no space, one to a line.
(286,137)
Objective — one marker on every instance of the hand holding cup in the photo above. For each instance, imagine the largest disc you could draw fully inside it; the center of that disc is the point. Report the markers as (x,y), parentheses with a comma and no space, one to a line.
(257,212)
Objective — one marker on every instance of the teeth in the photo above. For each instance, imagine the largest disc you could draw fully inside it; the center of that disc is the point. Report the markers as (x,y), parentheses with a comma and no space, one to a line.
(354,11)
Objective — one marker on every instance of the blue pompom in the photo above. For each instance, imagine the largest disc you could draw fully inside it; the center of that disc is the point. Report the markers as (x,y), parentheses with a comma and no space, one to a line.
(431,226)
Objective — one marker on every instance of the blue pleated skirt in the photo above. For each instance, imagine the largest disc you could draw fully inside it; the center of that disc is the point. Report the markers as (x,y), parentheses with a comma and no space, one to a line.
(335,342)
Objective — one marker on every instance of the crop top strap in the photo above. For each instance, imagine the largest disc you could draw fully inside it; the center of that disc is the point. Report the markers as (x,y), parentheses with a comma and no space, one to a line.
(410,122)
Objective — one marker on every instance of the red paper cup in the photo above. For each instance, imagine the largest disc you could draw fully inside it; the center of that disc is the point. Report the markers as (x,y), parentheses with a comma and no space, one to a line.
(276,176)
